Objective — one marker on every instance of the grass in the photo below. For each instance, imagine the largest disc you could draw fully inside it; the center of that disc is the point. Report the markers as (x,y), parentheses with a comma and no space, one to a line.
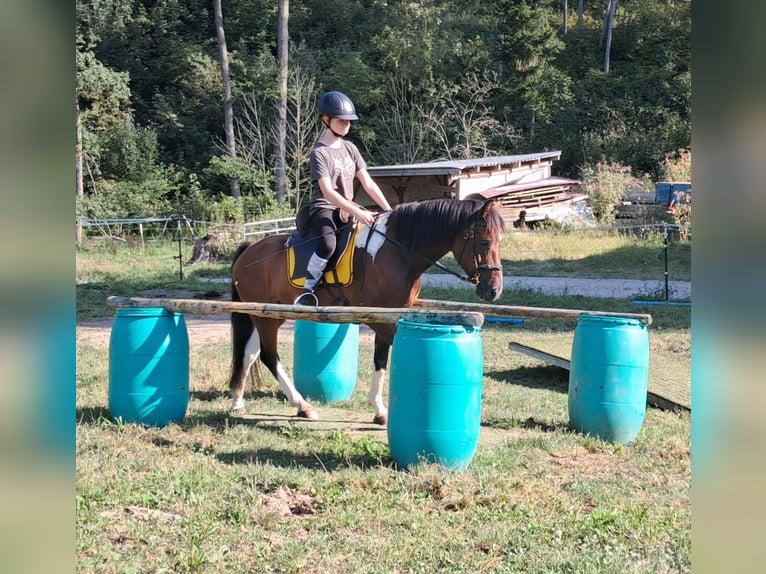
(265,492)
(595,254)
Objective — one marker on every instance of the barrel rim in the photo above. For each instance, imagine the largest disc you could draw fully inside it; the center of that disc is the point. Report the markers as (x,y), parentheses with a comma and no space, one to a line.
(145,312)
(610,319)
(443,328)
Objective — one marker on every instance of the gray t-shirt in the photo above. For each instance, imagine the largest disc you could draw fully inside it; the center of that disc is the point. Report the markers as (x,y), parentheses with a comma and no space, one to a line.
(340,165)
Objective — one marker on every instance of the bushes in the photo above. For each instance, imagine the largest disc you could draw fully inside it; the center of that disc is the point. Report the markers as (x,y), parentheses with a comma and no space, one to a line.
(607,185)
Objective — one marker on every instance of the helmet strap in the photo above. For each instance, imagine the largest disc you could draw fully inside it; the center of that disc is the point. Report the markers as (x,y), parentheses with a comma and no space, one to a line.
(327,125)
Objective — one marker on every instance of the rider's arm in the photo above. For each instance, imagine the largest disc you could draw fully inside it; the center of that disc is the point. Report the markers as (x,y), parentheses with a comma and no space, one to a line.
(342,203)
(372,189)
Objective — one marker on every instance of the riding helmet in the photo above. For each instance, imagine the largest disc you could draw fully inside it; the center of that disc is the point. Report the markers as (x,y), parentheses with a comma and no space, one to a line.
(337,105)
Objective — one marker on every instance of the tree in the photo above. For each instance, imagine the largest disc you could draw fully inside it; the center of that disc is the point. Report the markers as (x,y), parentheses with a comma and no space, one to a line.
(462,119)
(529,46)
(608,26)
(228,111)
(280,180)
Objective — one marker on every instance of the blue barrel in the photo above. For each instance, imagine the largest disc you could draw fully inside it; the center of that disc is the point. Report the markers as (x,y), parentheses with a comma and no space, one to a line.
(435,394)
(148,367)
(325,360)
(662,193)
(609,377)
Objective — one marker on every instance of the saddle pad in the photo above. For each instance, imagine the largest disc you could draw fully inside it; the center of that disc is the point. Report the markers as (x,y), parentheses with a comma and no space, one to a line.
(340,267)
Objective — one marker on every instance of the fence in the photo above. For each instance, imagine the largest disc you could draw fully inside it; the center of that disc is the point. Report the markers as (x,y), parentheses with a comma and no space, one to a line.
(124,229)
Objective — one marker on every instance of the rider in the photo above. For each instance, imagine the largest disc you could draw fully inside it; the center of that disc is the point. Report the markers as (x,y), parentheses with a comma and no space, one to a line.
(334,164)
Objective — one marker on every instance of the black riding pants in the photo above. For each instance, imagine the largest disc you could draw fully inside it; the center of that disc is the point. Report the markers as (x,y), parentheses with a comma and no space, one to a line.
(325,222)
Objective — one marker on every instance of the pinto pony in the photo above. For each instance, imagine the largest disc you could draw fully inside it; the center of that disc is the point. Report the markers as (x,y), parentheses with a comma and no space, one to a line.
(390,257)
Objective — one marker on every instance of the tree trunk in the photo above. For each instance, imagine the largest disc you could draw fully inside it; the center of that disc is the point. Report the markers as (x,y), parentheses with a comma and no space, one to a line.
(580,10)
(564,26)
(609,23)
(78,169)
(280,179)
(228,111)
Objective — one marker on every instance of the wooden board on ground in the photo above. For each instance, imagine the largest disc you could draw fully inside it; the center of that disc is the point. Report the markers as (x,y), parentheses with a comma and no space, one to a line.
(669,378)
(357,424)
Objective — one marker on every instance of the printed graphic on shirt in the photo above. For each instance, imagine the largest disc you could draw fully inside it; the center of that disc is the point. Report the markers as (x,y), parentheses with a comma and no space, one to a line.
(344,167)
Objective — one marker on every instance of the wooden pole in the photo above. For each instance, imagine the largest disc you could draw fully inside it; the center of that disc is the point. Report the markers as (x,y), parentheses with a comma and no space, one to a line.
(298,312)
(527,312)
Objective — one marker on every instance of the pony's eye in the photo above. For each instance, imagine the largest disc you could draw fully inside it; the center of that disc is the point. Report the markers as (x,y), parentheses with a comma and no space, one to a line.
(486,243)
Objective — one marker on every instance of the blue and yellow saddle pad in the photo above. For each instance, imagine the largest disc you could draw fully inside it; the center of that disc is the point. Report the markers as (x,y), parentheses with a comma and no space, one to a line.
(340,267)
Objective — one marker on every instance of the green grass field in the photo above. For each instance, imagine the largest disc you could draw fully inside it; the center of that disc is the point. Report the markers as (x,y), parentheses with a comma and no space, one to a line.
(265,492)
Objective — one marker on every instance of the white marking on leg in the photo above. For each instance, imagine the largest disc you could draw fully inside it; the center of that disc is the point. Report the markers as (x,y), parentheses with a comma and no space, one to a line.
(377,239)
(249,357)
(287,386)
(375,398)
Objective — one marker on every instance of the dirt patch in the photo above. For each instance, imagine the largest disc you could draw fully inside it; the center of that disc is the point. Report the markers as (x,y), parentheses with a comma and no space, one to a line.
(203,330)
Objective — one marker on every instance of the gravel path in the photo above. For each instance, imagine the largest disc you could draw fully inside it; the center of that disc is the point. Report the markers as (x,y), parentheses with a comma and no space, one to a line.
(610,288)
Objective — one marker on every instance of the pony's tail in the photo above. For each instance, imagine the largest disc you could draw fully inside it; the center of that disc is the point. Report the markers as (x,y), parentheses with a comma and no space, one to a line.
(241,328)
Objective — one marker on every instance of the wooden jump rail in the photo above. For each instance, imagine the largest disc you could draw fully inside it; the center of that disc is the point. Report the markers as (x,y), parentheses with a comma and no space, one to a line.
(299,312)
(526,312)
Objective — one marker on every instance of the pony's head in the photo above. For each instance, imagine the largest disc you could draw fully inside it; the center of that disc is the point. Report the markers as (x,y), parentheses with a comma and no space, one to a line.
(477,249)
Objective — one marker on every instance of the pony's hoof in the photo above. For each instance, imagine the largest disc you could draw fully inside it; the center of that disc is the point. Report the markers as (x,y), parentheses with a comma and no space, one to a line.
(381,420)
(308,413)
(238,407)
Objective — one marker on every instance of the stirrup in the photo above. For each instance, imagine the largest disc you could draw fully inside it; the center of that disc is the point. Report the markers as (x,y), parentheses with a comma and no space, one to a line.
(305,299)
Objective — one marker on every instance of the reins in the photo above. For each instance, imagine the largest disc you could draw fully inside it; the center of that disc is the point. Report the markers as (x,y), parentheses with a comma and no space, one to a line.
(473,279)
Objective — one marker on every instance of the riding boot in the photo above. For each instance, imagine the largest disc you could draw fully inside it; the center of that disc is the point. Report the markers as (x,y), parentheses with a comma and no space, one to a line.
(314,272)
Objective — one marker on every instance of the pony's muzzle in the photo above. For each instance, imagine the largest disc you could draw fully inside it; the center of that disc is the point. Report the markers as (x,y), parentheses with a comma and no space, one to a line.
(489,290)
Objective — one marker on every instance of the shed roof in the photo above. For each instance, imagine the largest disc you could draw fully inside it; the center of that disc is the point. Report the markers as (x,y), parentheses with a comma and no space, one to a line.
(459,168)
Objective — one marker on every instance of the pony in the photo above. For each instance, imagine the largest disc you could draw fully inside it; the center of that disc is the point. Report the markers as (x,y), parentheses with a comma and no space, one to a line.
(390,257)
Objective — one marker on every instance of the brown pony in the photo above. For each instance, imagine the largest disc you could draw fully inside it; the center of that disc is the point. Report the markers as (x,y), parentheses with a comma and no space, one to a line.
(390,257)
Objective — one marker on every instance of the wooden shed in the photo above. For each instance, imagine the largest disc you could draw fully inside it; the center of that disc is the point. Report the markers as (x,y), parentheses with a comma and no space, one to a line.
(519,182)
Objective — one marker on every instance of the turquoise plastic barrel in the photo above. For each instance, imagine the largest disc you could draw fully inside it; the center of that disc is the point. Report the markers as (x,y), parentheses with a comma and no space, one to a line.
(609,377)
(325,360)
(149,367)
(435,394)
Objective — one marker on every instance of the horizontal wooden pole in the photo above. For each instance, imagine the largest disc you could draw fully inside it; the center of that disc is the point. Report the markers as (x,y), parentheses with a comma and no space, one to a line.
(298,312)
(525,312)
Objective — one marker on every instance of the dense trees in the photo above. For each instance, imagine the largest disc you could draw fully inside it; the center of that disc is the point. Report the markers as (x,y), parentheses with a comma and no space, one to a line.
(431,79)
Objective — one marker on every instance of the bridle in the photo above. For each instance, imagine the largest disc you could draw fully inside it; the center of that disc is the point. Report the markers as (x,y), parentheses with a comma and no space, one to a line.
(470,233)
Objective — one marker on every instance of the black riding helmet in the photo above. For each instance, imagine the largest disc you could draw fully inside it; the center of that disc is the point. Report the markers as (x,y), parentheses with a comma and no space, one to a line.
(337,105)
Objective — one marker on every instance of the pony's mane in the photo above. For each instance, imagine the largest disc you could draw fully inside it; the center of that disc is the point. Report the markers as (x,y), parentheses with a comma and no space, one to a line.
(435,222)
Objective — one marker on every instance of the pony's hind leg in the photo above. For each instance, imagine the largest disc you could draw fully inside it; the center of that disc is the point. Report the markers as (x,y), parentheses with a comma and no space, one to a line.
(250,356)
(245,348)
(375,397)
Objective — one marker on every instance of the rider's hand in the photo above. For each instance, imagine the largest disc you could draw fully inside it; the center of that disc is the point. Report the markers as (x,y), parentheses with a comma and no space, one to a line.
(365,216)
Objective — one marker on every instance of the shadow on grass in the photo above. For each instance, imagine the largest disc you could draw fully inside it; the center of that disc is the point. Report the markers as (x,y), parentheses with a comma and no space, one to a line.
(91,415)
(325,460)
(546,377)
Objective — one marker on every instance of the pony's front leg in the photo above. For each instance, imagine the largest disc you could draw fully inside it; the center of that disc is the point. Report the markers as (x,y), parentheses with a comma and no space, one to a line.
(375,398)
(305,410)
(270,358)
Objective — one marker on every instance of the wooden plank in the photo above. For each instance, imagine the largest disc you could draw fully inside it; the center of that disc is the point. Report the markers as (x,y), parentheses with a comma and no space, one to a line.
(540,354)
(349,314)
(653,398)
(525,312)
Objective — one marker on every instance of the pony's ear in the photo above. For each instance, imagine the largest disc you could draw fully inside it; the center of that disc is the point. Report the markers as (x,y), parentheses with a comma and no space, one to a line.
(488,204)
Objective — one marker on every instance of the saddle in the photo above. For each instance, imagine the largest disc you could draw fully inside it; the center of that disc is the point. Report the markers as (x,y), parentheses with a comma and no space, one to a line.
(303,242)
